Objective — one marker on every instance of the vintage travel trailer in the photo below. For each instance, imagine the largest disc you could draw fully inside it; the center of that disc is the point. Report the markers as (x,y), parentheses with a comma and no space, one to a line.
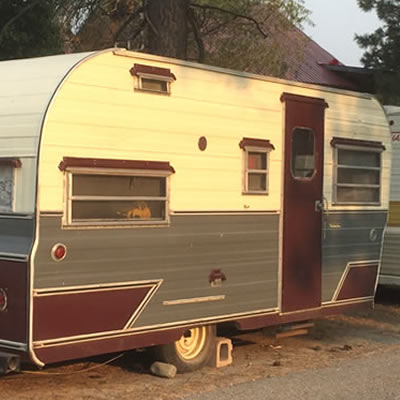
(390,270)
(145,200)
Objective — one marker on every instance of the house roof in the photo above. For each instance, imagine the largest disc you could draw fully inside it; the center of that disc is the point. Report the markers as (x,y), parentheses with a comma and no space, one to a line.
(321,67)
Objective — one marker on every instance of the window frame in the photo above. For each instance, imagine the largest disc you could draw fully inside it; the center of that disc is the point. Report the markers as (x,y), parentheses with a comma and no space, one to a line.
(303,178)
(13,163)
(139,83)
(68,221)
(262,146)
(359,146)
(71,166)
(142,71)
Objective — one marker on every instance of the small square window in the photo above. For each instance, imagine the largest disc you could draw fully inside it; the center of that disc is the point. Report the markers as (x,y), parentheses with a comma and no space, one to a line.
(152,79)
(154,85)
(255,174)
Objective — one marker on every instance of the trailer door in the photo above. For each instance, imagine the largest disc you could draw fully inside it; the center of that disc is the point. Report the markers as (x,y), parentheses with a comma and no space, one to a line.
(302,202)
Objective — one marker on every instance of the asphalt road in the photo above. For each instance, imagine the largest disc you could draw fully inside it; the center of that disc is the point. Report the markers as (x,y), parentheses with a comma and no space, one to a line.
(374,377)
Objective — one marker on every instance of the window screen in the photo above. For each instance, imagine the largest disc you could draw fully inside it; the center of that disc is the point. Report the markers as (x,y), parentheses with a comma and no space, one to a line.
(117,198)
(6,188)
(358,176)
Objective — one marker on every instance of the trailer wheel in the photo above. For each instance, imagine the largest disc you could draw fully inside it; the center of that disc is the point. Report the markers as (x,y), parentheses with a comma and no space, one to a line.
(191,352)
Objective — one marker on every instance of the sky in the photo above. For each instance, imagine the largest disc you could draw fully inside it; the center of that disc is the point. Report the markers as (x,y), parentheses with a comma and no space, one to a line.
(336,23)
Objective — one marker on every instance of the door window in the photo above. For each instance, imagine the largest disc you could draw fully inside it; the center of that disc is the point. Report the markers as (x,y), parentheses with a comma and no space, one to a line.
(303,154)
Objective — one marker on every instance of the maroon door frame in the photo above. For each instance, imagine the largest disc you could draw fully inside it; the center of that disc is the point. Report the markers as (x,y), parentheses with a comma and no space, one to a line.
(302,217)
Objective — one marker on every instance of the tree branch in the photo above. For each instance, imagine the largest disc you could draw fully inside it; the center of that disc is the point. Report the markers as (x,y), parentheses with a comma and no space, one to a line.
(127,22)
(146,15)
(196,33)
(233,13)
(16,17)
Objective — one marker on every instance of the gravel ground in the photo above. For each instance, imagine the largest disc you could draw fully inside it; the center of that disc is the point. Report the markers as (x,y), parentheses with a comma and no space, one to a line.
(256,355)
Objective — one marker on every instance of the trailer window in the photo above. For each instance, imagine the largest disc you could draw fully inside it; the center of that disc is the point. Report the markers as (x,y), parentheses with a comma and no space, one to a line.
(152,79)
(256,177)
(6,188)
(303,157)
(114,199)
(358,176)
(256,160)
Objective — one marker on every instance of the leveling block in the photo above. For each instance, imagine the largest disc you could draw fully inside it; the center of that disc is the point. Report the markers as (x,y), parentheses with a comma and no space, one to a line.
(223,353)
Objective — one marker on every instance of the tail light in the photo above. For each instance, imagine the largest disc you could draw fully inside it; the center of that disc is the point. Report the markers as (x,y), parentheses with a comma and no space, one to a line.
(58,252)
(3,300)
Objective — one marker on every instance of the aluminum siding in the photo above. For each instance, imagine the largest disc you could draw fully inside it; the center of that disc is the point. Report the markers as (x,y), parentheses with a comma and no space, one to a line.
(245,248)
(347,237)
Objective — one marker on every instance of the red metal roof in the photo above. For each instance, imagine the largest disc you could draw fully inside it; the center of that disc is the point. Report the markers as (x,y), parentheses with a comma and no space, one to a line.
(312,67)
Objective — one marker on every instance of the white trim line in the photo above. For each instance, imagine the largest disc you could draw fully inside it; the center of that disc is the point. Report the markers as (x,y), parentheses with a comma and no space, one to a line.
(94,287)
(193,300)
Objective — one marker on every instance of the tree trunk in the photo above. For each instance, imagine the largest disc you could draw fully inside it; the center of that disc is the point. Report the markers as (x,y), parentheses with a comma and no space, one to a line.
(168,25)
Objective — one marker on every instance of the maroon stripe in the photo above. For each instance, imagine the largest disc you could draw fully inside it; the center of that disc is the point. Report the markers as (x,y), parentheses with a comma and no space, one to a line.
(72,314)
(276,319)
(303,99)
(356,142)
(72,351)
(148,69)
(70,162)
(245,142)
(14,162)
(359,282)
(13,321)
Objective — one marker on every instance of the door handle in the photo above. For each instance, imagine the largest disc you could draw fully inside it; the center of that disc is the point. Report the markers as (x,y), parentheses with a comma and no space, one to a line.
(319,205)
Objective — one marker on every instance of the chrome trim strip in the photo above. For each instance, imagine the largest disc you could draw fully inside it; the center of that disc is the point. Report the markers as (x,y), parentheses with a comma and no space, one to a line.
(13,256)
(94,287)
(16,216)
(216,213)
(355,300)
(13,345)
(193,300)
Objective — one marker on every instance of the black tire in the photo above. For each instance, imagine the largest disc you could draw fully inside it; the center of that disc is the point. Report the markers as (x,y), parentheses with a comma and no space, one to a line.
(190,353)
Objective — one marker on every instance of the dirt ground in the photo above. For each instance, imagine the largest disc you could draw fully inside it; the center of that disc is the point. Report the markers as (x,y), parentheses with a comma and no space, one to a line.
(256,355)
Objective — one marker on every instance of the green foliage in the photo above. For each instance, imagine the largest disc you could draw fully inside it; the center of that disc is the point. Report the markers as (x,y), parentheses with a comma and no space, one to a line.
(249,35)
(27,29)
(383,47)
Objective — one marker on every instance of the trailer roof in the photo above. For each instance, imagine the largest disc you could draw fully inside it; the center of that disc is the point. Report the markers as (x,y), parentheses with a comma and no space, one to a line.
(27,87)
